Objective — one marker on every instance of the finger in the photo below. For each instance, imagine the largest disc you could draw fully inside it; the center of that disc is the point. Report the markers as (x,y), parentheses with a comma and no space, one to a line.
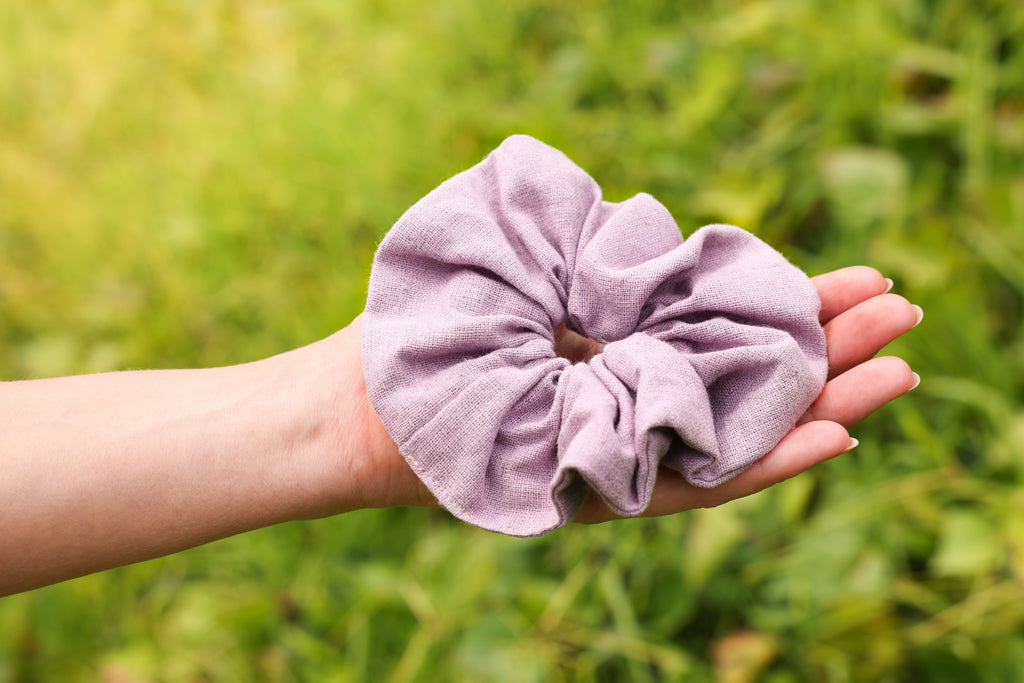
(575,347)
(859,333)
(841,290)
(805,446)
(858,392)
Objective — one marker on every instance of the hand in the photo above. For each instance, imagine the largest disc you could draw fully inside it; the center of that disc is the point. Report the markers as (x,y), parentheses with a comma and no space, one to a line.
(859,318)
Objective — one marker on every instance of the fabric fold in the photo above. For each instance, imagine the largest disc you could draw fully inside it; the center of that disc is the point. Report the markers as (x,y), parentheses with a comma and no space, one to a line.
(712,345)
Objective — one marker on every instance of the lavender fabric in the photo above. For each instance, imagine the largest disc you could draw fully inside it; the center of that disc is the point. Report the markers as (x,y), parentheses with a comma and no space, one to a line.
(713,347)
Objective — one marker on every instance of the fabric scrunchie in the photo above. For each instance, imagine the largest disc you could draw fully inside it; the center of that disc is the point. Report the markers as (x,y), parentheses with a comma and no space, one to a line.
(713,347)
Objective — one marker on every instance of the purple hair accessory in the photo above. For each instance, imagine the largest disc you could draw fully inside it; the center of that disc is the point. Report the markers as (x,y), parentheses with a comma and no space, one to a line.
(713,348)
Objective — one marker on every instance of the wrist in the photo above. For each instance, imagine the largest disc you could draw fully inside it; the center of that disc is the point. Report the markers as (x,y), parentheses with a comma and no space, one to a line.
(347,460)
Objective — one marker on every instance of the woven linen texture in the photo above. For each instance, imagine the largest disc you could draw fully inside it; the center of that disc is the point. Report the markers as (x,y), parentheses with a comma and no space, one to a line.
(713,347)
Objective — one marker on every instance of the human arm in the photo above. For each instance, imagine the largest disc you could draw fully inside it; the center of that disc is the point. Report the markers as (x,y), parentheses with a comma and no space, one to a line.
(99,471)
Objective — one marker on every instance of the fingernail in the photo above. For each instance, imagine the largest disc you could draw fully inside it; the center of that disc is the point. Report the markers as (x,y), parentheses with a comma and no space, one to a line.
(917,380)
(853,444)
(888,284)
(920,314)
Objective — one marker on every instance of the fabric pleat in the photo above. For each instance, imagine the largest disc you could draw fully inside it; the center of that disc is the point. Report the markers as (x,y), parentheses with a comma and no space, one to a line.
(712,352)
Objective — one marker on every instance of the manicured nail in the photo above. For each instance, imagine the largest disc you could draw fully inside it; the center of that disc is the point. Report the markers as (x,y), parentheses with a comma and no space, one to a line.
(853,444)
(920,314)
(917,380)
(888,284)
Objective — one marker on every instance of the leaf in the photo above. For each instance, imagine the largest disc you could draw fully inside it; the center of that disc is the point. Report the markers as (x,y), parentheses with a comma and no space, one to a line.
(863,184)
(968,546)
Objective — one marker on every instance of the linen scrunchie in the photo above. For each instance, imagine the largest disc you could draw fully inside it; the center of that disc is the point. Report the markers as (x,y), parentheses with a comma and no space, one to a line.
(713,347)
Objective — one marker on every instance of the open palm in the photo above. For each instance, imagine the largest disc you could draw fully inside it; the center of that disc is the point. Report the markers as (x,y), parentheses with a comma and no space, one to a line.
(859,318)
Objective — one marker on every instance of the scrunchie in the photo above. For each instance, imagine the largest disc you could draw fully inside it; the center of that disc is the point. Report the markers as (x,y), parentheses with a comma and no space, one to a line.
(713,347)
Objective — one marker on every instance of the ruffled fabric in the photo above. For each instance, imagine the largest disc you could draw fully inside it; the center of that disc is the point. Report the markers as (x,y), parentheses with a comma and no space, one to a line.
(713,347)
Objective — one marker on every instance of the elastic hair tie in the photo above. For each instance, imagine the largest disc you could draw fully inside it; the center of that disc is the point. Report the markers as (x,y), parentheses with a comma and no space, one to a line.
(712,345)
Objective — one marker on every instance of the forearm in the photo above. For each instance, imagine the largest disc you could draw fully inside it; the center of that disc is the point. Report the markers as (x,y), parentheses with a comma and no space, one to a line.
(99,471)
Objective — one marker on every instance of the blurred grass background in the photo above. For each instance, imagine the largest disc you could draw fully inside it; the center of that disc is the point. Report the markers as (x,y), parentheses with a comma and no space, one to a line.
(194,184)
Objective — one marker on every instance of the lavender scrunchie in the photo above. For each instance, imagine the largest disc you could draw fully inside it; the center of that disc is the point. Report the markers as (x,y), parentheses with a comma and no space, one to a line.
(713,345)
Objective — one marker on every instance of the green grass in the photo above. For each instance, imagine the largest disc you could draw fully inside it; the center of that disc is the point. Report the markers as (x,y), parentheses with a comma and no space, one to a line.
(194,184)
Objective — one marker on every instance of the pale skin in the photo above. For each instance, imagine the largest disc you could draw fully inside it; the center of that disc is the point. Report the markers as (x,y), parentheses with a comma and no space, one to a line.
(99,471)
